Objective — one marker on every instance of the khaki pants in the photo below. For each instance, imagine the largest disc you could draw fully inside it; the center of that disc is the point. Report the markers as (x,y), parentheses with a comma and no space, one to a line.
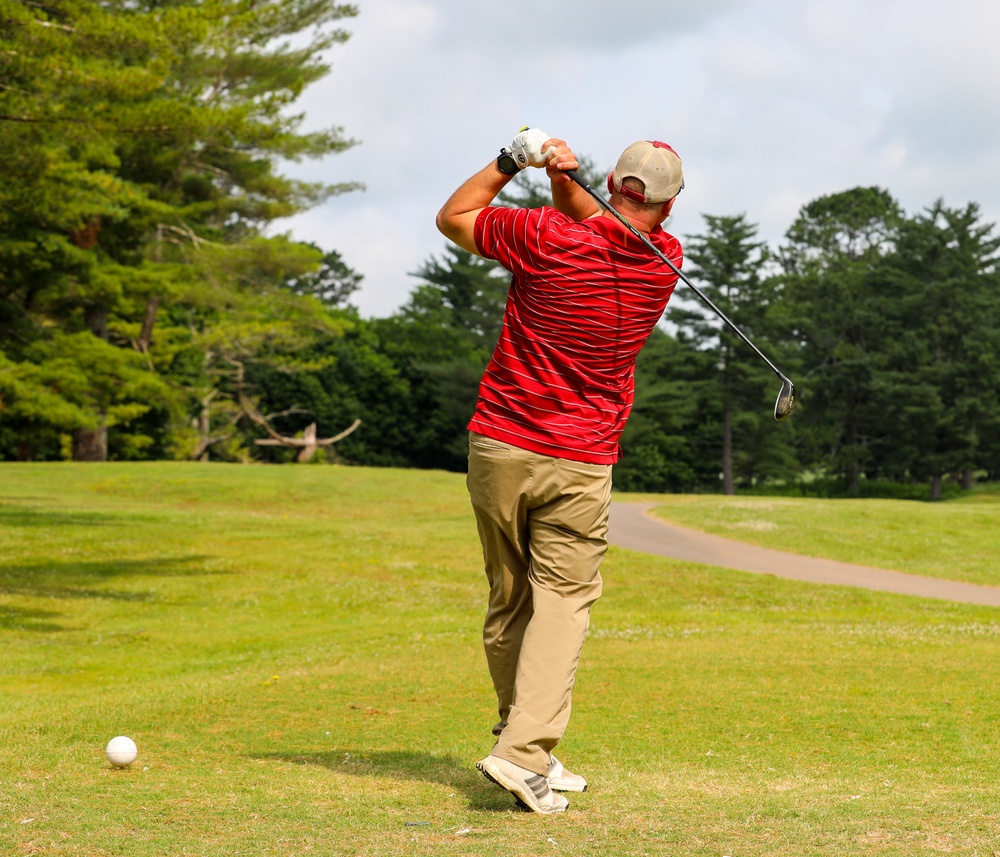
(543,523)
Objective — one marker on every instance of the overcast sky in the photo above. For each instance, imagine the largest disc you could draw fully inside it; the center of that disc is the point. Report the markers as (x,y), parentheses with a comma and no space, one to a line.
(770,103)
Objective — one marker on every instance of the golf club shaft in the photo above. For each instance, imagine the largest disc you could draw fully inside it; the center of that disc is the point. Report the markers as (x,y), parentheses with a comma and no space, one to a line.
(645,240)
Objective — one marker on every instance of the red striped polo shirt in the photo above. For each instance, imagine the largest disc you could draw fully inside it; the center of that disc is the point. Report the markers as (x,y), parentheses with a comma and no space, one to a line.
(583,299)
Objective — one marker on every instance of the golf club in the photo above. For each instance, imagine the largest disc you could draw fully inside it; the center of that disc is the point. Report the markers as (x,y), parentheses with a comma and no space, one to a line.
(786,397)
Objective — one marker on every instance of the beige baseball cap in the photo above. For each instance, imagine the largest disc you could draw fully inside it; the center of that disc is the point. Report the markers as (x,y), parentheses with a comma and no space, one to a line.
(656,165)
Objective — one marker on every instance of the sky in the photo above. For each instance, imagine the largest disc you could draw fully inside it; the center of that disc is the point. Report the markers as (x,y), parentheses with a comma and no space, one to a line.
(770,104)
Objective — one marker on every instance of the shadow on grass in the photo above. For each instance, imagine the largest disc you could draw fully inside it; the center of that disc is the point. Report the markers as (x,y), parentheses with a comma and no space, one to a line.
(17,515)
(15,618)
(78,579)
(457,774)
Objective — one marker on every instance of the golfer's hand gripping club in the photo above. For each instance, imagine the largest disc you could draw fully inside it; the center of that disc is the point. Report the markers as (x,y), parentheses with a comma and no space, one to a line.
(786,397)
(526,148)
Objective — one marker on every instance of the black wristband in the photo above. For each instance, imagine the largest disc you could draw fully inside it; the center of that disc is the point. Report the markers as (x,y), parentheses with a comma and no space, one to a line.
(507,164)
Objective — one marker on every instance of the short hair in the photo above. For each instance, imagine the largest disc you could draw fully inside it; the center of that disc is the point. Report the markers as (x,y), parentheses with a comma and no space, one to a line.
(639,186)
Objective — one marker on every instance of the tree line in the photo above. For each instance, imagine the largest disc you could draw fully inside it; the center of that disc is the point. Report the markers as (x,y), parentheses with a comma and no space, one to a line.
(145,314)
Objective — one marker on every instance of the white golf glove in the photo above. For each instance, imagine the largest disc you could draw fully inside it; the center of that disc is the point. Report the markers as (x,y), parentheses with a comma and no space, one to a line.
(527,148)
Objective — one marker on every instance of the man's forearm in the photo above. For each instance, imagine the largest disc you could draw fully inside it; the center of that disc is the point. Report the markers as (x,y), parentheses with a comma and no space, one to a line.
(457,217)
(571,199)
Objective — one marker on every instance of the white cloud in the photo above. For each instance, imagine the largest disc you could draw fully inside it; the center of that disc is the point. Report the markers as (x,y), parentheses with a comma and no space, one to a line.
(770,103)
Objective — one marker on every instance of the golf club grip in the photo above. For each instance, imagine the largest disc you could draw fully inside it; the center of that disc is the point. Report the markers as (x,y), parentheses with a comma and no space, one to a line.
(645,240)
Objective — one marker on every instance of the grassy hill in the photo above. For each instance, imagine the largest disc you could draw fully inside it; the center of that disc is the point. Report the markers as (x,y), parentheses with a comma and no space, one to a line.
(296,652)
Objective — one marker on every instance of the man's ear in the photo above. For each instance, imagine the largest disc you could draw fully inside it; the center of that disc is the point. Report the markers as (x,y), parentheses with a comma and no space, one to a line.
(667,206)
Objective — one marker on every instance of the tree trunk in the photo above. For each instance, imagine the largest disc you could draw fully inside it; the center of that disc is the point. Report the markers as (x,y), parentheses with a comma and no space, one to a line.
(96,319)
(309,450)
(853,479)
(146,335)
(852,467)
(203,424)
(90,444)
(727,450)
(967,479)
(936,482)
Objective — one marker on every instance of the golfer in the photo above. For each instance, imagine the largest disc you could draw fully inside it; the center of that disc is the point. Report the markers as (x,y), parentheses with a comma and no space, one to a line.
(584,297)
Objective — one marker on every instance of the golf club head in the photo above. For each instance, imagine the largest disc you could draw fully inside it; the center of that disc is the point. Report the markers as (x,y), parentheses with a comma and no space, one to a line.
(785,401)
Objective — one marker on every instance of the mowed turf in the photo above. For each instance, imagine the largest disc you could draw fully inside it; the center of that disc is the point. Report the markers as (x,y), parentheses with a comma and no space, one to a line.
(957,540)
(296,652)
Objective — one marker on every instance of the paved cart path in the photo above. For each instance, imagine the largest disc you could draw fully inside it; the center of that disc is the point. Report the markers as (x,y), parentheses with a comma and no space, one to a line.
(634,528)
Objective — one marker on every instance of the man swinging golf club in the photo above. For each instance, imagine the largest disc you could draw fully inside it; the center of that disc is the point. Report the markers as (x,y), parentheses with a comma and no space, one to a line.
(584,297)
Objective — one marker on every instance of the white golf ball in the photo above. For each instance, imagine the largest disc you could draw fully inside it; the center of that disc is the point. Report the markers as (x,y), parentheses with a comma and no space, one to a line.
(121,751)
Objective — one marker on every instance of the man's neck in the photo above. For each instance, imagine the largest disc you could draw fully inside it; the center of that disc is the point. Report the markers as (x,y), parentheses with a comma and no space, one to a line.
(642,224)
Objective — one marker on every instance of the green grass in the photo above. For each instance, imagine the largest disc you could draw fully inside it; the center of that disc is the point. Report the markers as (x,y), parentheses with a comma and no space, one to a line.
(296,652)
(957,540)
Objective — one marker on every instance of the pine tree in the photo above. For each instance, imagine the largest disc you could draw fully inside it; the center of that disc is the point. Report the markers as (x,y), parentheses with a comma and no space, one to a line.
(730,266)
(946,365)
(833,264)
(145,139)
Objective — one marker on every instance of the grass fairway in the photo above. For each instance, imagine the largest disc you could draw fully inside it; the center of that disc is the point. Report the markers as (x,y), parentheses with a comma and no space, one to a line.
(958,540)
(296,652)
